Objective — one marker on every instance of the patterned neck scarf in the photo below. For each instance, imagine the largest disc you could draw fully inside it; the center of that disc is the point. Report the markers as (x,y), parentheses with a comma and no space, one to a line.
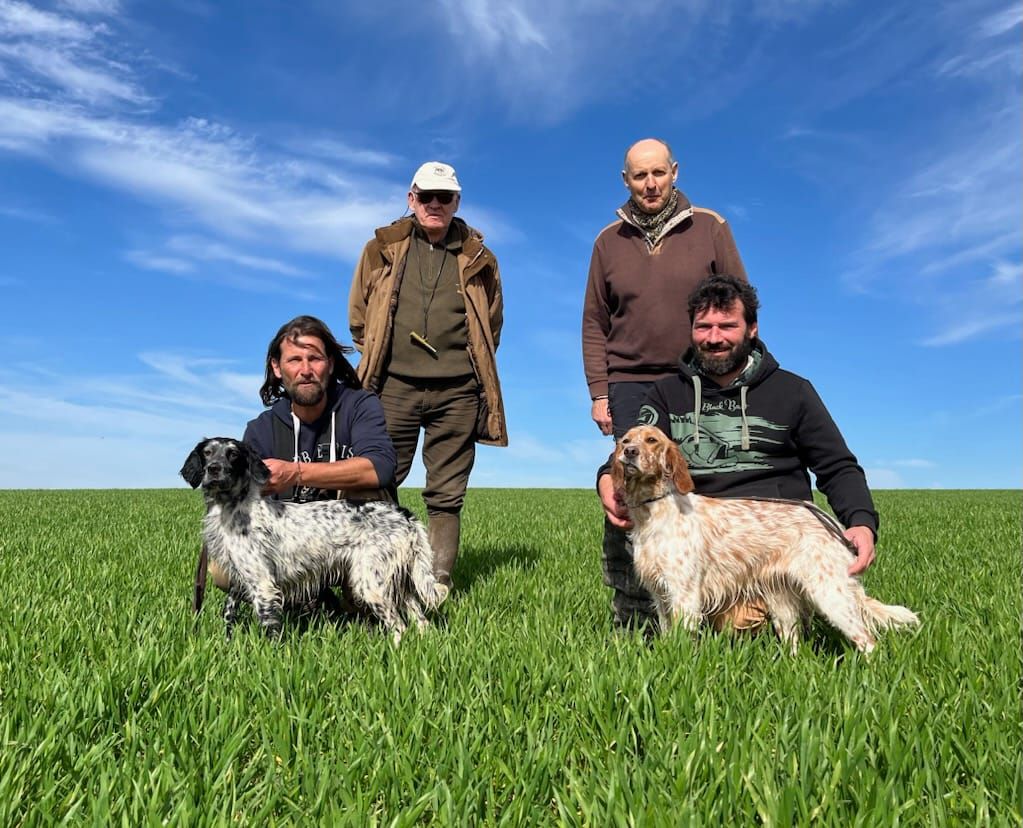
(652,225)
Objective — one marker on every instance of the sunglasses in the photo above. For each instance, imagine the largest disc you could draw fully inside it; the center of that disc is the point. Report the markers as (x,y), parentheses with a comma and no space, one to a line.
(443,196)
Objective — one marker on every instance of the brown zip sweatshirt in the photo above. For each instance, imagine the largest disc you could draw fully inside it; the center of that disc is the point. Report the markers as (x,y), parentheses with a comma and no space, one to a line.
(635,319)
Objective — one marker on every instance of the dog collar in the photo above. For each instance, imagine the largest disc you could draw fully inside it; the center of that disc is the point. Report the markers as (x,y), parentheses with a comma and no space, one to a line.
(659,497)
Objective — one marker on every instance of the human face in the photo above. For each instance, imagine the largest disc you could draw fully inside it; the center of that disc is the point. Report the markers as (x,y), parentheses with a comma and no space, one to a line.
(650,175)
(434,217)
(722,340)
(304,370)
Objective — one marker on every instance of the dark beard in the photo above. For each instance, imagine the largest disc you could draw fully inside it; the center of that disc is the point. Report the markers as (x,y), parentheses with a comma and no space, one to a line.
(720,364)
(306,395)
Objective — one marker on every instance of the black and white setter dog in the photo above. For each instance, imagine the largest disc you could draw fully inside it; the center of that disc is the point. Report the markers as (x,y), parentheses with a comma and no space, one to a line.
(276,553)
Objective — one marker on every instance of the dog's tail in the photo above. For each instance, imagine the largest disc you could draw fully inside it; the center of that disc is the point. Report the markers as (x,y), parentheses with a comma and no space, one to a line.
(431,592)
(880,616)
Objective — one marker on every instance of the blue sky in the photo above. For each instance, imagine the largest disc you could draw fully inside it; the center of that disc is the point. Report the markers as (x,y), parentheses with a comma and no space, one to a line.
(178,178)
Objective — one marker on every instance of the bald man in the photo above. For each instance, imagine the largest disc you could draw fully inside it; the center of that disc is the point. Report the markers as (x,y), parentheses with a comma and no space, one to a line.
(635,324)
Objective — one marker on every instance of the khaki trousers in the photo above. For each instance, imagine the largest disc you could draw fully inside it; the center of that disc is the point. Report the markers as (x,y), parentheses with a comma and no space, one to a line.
(445,411)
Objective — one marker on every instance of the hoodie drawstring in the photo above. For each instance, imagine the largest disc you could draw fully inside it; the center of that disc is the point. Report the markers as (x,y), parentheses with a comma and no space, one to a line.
(698,388)
(297,424)
(745,422)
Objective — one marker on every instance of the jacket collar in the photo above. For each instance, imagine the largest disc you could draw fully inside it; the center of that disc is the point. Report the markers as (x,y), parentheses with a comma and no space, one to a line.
(395,236)
(683,211)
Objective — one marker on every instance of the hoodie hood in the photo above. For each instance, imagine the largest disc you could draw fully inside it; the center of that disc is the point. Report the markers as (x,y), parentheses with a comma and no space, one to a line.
(766,365)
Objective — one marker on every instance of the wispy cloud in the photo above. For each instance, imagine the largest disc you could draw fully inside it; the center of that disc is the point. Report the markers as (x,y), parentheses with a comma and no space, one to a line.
(214,251)
(882,478)
(945,236)
(27,214)
(334,150)
(168,394)
(47,54)
(155,261)
(1001,21)
(973,308)
(909,463)
(546,59)
(99,7)
(224,181)
(19,20)
(74,103)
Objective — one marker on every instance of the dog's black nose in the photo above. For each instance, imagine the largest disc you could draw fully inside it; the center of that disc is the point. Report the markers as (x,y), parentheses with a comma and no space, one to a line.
(631,451)
(214,468)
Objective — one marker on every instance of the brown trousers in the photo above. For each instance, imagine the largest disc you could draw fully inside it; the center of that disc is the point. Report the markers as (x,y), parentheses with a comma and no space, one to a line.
(445,411)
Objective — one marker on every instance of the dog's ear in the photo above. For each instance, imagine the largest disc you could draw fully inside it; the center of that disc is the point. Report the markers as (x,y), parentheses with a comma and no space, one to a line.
(193,468)
(617,472)
(257,468)
(675,467)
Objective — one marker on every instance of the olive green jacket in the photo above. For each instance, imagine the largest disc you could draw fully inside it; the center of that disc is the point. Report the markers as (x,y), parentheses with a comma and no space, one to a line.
(374,298)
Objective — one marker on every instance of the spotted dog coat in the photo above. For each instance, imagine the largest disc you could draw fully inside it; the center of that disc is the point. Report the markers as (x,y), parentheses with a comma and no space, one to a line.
(699,555)
(277,552)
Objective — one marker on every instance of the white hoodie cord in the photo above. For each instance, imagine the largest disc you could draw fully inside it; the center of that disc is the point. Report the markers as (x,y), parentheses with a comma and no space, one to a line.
(297,423)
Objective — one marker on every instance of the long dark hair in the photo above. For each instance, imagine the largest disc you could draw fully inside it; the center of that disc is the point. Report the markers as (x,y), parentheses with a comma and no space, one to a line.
(344,373)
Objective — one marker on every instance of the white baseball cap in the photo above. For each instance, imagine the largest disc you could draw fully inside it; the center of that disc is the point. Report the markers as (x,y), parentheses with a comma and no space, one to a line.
(434,175)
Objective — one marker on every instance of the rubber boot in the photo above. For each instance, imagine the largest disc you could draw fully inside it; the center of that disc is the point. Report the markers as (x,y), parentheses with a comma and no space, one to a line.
(444,530)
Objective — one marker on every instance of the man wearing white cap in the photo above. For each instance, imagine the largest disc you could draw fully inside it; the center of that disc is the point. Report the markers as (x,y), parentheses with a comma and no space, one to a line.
(425,310)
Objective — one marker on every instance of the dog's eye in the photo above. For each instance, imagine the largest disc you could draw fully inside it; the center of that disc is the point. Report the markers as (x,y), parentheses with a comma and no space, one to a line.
(651,439)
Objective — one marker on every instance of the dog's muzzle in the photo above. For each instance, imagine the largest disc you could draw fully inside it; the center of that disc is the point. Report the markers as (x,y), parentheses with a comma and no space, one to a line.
(216,476)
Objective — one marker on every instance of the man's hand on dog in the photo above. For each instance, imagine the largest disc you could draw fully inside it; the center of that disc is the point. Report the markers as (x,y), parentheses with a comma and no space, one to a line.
(863,539)
(283,475)
(614,507)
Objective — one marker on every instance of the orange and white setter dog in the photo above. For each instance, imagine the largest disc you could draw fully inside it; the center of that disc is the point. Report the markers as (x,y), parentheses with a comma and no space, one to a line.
(700,555)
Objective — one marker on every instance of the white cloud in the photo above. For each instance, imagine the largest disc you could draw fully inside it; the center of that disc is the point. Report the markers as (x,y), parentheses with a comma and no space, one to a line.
(76,80)
(909,463)
(884,479)
(495,23)
(23,20)
(1001,22)
(545,59)
(978,307)
(154,261)
(213,251)
(105,7)
(120,430)
(72,104)
(945,236)
(27,214)
(334,150)
(223,181)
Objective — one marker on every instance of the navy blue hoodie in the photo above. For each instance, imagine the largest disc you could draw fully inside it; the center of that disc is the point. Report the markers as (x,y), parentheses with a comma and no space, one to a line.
(356,419)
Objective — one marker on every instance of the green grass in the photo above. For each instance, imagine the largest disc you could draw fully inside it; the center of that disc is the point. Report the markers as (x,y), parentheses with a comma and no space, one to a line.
(519,707)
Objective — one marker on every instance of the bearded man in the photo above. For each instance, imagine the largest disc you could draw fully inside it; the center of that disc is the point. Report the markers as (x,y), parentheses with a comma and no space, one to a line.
(748,428)
(321,436)
(643,267)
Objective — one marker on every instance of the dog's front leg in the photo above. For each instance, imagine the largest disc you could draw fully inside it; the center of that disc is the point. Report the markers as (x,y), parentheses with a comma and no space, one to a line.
(268,604)
(230,612)
(682,587)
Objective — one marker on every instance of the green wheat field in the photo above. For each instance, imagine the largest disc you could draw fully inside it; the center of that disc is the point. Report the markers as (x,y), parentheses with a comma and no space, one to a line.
(520,706)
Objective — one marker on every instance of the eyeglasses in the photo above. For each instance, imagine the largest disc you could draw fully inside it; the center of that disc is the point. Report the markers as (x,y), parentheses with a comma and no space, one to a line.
(443,196)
